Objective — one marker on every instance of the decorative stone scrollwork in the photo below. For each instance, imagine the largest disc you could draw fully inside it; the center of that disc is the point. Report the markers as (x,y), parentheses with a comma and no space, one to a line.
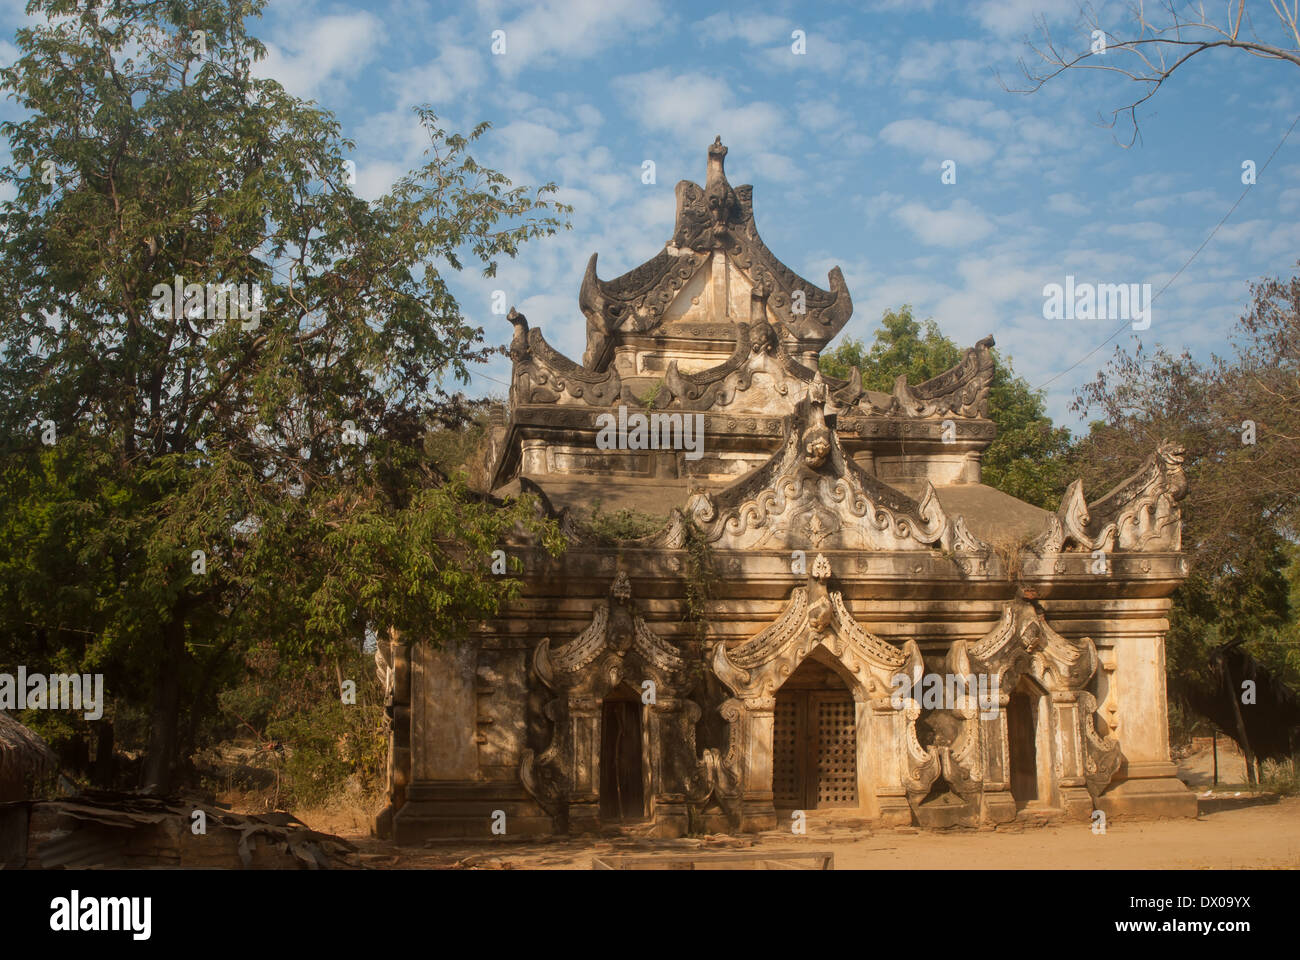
(814,616)
(1140,514)
(720,776)
(616,646)
(952,747)
(544,375)
(717,386)
(923,765)
(811,493)
(1102,757)
(962,391)
(1144,508)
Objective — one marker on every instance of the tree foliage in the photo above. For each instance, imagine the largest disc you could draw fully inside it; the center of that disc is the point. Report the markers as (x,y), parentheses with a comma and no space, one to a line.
(1238,418)
(1024,459)
(285,443)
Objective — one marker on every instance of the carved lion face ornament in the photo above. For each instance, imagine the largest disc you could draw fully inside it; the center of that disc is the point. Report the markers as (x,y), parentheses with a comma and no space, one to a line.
(816,446)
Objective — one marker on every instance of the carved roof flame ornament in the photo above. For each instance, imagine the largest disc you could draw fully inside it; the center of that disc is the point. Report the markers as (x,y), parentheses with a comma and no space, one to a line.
(616,642)
(821,568)
(1139,514)
(719,196)
(813,616)
(812,494)
(716,219)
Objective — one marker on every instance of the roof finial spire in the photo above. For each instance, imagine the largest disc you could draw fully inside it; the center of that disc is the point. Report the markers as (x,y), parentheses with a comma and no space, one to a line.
(717,154)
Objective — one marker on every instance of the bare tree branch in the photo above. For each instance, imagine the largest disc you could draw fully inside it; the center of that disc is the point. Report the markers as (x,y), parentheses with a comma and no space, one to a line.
(1156,51)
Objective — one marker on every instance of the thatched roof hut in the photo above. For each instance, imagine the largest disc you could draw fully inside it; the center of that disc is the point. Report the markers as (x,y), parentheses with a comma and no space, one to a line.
(24,759)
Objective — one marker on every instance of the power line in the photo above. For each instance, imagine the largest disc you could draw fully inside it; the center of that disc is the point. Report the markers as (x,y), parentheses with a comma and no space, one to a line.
(1195,253)
(476,373)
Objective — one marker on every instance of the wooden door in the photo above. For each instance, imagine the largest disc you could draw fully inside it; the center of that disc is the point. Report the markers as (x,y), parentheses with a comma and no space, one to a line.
(1022,734)
(837,748)
(814,750)
(621,793)
(788,735)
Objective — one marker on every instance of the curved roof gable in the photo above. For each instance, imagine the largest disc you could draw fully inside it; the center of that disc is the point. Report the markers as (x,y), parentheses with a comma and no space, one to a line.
(715,218)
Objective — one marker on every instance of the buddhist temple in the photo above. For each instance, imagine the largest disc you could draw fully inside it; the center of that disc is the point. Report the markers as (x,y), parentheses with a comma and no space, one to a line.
(834,616)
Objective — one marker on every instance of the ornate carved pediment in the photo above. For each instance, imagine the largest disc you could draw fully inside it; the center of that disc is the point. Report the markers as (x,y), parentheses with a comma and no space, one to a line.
(712,218)
(544,375)
(962,391)
(616,646)
(1143,510)
(758,350)
(814,616)
(1023,642)
(811,494)
(1142,513)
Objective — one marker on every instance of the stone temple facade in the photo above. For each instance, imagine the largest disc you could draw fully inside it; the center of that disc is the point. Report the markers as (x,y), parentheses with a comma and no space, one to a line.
(836,616)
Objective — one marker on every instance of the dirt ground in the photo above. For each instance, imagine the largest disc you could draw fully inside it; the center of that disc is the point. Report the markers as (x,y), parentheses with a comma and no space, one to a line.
(1231,833)
(1236,829)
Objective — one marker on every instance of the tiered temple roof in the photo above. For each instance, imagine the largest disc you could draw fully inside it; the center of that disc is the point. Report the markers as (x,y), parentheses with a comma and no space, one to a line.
(716,325)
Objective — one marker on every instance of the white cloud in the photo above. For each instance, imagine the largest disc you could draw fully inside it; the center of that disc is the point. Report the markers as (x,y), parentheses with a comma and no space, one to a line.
(755,29)
(571,30)
(1066,203)
(775,37)
(330,48)
(376,177)
(777,167)
(936,141)
(526,138)
(1194,198)
(456,71)
(1012,16)
(694,107)
(978,112)
(925,61)
(1145,231)
(821,114)
(961,224)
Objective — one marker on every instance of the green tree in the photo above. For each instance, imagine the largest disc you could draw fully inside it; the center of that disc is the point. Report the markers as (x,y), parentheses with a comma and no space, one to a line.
(1238,419)
(286,443)
(1025,459)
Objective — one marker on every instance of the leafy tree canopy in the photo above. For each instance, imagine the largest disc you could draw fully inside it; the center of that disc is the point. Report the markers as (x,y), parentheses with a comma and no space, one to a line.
(1024,459)
(186,467)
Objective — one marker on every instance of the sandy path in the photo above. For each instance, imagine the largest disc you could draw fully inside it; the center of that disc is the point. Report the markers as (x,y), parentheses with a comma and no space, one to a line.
(1262,835)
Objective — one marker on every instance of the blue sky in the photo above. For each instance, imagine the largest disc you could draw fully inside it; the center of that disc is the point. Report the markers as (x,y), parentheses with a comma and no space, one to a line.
(844,147)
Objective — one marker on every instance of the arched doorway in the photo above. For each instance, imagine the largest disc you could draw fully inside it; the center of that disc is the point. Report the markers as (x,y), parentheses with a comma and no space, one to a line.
(814,741)
(1029,745)
(622,765)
